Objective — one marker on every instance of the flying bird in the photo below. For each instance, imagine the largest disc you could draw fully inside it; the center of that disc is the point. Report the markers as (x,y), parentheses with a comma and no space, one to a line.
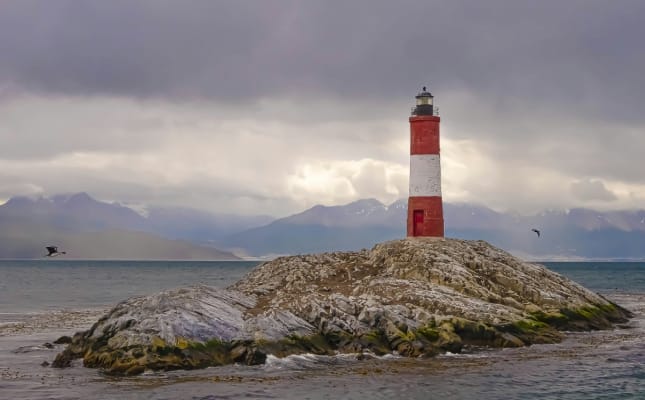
(536,231)
(53,251)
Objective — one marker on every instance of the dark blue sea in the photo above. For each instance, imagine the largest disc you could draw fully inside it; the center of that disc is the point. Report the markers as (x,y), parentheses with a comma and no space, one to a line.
(44,299)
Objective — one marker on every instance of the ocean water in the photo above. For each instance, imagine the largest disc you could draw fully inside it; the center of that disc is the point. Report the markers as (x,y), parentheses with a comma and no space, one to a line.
(44,299)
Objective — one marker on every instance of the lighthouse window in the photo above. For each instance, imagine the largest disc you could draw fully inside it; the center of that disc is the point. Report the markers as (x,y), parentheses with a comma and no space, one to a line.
(424,101)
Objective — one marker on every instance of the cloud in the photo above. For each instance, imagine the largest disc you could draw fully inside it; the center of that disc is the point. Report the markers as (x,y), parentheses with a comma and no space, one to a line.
(338,182)
(590,189)
(584,55)
(272,107)
(202,154)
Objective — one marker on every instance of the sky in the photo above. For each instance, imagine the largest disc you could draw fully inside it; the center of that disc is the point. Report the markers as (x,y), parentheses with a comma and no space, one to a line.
(272,107)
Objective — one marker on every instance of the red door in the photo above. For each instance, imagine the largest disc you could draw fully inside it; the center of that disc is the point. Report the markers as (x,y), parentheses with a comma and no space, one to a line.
(417,217)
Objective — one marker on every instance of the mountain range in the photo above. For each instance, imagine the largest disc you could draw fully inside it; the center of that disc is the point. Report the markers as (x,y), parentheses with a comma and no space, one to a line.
(91,229)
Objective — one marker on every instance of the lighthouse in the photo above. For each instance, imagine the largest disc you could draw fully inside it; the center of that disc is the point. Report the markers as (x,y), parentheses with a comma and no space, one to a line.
(425,209)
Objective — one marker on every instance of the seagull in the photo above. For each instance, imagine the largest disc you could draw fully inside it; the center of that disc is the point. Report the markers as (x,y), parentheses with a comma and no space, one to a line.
(53,251)
(536,231)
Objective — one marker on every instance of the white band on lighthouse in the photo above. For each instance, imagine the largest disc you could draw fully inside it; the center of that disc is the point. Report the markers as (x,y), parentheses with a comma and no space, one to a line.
(425,175)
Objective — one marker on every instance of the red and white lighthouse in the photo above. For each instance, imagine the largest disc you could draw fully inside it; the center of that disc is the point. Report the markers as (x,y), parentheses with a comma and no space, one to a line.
(425,209)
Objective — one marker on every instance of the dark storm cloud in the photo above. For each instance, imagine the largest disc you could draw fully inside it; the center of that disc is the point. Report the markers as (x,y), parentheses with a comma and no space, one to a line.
(585,54)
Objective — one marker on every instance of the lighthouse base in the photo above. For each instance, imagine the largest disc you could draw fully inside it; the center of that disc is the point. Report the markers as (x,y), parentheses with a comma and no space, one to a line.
(425,216)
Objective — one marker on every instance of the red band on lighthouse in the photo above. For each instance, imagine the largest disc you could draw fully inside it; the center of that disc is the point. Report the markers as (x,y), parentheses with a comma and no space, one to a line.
(424,136)
(425,207)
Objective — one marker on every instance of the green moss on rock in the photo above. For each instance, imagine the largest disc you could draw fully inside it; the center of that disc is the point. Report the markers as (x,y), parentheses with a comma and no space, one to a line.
(429,332)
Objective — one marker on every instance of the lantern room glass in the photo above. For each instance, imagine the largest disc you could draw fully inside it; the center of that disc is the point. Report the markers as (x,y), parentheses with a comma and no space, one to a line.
(424,100)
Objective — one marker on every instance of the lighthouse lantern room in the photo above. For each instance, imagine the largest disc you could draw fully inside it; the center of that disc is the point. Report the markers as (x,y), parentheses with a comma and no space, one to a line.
(425,208)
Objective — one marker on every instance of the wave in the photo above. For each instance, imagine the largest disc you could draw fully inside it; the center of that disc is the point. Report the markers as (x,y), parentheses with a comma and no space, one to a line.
(308,361)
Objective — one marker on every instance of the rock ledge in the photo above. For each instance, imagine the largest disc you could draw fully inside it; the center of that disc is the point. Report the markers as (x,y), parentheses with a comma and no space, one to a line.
(417,297)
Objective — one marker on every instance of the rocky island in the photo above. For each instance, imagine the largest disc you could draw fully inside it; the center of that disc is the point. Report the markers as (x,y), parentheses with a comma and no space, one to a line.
(415,297)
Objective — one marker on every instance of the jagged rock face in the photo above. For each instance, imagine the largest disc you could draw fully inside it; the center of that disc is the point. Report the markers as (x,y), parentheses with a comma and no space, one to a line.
(415,278)
(413,296)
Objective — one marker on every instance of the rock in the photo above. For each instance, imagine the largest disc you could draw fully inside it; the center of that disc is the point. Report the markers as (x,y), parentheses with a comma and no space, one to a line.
(63,340)
(44,364)
(416,297)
